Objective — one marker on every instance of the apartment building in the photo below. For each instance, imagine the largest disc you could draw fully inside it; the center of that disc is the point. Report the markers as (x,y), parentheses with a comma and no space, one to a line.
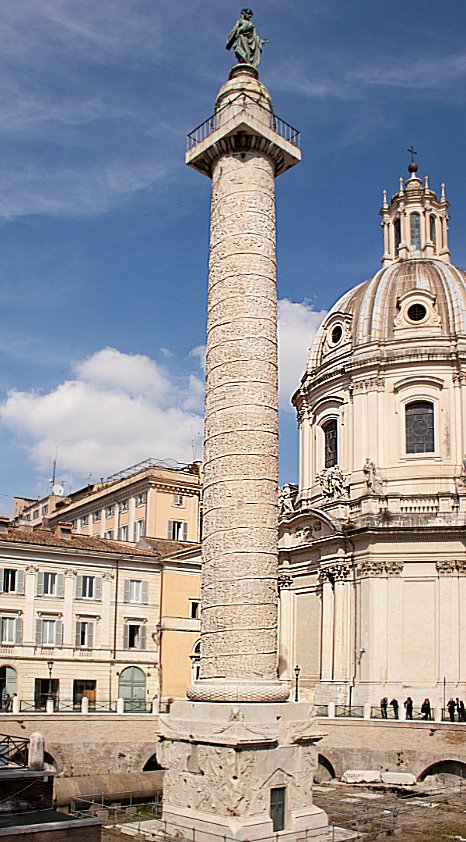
(157,499)
(85,616)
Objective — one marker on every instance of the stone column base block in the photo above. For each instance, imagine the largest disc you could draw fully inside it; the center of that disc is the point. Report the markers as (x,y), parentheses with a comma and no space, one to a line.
(224,690)
(223,761)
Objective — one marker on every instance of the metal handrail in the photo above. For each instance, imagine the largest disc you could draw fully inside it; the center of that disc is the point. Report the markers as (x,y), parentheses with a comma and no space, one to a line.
(277,124)
(356,711)
(13,751)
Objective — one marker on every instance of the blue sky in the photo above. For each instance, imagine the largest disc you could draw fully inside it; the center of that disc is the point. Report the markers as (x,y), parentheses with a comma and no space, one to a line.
(104,231)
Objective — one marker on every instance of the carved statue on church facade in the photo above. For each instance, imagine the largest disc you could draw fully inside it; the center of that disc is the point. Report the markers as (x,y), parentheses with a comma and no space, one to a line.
(373,483)
(333,482)
(287,498)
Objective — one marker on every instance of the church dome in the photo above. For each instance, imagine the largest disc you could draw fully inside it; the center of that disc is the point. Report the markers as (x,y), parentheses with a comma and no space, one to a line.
(412,299)
(417,295)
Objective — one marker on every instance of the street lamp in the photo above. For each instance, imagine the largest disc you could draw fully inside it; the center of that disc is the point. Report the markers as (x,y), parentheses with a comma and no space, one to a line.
(296,690)
(50,668)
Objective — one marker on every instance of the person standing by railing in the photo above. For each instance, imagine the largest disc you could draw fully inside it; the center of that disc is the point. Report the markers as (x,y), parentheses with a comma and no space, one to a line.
(426,709)
(395,706)
(451,707)
(384,707)
(408,706)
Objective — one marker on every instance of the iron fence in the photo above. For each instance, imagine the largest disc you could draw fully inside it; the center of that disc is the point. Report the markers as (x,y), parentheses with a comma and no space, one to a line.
(13,751)
(243,103)
(354,711)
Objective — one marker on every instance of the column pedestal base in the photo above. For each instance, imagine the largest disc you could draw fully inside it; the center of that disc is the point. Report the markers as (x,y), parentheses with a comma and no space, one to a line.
(223,761)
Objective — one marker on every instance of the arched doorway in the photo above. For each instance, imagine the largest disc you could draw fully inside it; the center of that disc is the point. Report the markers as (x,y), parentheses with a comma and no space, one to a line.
(8,683)
(132,688)
(444,772)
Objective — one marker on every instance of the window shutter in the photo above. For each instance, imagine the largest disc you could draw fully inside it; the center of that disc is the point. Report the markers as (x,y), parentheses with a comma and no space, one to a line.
(60,584)
(40,584)
(38,632)
(90,635)
(97,587)
(78,635)
(184,532)
(135,534)
(19,630)
(126,591)
(58,633)
(79,587)
(1,579)
(142,637)
(145,593)
(20,581)
(126,637)
(171,529)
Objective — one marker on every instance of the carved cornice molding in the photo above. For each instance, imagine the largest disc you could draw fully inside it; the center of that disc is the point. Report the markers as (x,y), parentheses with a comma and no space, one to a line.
(377,567)
(449,567)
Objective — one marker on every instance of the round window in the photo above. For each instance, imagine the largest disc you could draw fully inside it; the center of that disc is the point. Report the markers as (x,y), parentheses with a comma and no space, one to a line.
(417,312)
(337,333)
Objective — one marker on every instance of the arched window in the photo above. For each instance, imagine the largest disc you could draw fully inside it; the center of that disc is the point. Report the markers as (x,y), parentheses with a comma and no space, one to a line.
(419,427)
(196,660)
(132,688)
(415,228)
(433,233)
(331,443)
(397,228)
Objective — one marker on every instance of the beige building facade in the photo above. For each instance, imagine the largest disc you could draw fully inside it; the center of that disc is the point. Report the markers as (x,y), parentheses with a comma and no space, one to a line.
(88,617)
(160,500)
(373,558)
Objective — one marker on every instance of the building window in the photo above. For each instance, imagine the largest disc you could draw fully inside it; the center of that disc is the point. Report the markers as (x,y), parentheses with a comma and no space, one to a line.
(108,534)
(415,228)
(140,499)
(95,517)
(433,232)
(178,500)
(35,514)
(123,533)
(10,630)
(135,636)
(397,229)
(194,609)
(45,509)
(331,443)
(85,520)
(139,529)
(196,660)
(11,581)
(50,584)
(84,634)
(48,632)
(27,517)
(416,312)
(419,427)
(124,505)
(109,511)
(136,590)
(88,587)
(177,530)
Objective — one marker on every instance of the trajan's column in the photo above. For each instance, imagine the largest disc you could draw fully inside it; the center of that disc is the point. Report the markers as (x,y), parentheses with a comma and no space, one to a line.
(239,757)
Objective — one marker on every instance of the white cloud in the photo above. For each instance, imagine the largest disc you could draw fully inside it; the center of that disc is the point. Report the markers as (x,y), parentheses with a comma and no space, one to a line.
(297,326)
(119,409)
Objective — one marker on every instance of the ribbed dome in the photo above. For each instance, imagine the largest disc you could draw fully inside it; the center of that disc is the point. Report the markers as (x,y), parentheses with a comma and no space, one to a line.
(409,298)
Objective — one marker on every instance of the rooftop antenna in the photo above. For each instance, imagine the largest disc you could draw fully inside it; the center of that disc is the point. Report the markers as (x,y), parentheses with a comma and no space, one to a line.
(56,488)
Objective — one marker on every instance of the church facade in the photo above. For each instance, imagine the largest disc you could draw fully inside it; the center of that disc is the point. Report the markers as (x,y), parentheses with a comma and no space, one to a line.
(372,541)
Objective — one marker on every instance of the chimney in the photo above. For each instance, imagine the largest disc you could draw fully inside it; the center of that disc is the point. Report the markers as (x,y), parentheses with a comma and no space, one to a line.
(4,523)
(63,530)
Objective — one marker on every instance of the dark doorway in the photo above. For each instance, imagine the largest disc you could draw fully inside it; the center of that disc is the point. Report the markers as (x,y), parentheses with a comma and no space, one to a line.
(277,808)
(84,688)
(8,684)
(42,688)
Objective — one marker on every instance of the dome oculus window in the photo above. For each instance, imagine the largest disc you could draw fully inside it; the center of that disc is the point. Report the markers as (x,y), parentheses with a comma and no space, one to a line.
(331,443)
(419,427)
(416,312)
(336,334)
